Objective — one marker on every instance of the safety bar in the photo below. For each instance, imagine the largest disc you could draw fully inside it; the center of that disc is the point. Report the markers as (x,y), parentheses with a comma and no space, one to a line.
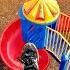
(56,43)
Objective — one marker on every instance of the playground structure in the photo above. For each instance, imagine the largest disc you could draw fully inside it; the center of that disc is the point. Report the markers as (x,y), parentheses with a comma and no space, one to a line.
(17,43)
(51,36)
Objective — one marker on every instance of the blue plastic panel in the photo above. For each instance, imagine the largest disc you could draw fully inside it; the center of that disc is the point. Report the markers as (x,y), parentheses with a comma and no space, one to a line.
(32,32)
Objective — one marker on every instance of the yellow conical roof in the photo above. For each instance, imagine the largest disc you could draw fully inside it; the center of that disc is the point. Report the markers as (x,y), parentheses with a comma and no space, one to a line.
(41,11)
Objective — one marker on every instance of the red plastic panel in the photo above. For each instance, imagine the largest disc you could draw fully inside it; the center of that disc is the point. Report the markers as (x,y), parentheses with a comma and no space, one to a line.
(11,48)
(63,23)
(44,59)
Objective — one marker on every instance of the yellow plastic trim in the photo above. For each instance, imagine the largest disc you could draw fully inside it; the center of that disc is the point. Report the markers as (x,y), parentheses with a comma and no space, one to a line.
(45,12)
(41,22)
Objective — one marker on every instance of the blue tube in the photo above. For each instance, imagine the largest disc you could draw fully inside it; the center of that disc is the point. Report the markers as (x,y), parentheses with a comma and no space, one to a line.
(32,32)
(63,64)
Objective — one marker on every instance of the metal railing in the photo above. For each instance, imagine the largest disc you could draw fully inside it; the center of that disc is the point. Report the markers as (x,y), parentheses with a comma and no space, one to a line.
(56,43)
